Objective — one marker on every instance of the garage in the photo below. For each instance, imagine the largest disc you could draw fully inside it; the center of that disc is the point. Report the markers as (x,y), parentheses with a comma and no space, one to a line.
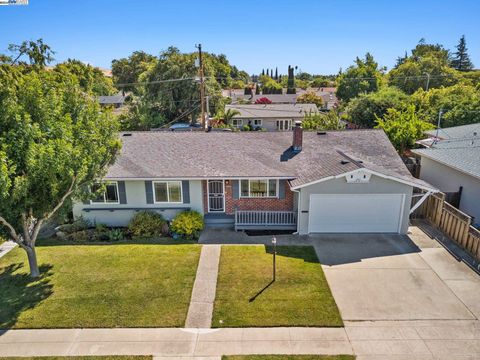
(355,213)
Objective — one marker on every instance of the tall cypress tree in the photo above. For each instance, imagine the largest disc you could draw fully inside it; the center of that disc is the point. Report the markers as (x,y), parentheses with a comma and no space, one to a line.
(276,73)
(461,60)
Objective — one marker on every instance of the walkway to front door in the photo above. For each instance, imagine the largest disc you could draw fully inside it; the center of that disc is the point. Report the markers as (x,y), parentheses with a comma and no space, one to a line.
(216,196)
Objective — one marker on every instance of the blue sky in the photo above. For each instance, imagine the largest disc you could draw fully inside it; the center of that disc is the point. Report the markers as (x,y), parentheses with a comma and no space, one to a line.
(317,36)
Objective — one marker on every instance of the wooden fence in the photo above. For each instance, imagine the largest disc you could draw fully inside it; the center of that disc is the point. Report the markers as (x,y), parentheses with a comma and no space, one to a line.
(452,222)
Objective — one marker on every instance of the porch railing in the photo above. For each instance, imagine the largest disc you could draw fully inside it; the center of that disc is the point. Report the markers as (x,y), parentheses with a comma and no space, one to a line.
(258,220)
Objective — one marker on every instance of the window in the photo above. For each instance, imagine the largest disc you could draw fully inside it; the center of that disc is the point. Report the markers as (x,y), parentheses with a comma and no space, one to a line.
(283,125)
(109,196)
(168,191)
(237,122)
(257,122)
(259,188)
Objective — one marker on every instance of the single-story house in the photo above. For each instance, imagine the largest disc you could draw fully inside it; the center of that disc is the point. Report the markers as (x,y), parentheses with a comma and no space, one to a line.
(452,164)
(270,116)
(309,182)
(115,101)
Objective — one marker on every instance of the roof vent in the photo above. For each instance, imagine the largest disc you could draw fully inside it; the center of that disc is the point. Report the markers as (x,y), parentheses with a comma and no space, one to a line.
(344,162)
(127,134)
(321,133)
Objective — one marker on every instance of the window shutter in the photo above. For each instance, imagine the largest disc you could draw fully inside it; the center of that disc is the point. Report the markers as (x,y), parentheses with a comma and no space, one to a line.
(186,191)
(149,191)
(122,194)
(236,189)
(281,189)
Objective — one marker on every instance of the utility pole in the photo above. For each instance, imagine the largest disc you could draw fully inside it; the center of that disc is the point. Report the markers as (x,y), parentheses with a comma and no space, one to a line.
(438,123)
(202,85)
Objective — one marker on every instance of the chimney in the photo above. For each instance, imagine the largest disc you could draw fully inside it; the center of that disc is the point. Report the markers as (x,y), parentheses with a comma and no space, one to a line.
(297,137)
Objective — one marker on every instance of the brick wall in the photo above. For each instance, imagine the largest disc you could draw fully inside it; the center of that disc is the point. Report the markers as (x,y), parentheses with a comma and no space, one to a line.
(273,204)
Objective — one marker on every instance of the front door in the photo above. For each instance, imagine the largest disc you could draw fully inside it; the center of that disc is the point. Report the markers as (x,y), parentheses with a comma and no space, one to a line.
(216,196)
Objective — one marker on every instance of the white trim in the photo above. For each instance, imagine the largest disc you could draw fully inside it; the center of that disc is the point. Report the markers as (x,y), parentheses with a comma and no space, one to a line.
(253,122)
(420,202)
(288,121)
(197,178)
(208,196)
(168,192)
(92,202)
(240,196)
(406,182)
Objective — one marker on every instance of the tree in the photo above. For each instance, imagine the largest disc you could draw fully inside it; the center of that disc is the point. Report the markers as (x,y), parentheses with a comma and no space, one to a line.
(38,53)
(322,121)
(229,114)
(320,82)
(54,141)
(276,73)
(310,98)
(461,60)
(460,104)
(90,79)
(403,127)
(129,70)
(291,81)
(427,67)
(364,109)
(362,78)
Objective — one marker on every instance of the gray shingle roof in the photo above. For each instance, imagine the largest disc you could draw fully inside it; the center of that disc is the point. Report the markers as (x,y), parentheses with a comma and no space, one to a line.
(114,99)
(272,110)
(150,155)
(462,155)
(456,132)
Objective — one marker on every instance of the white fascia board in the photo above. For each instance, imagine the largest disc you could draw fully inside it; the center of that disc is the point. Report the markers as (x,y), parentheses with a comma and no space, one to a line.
(406,182)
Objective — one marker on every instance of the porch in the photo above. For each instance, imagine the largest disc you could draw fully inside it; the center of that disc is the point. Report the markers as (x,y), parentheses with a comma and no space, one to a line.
(253,220)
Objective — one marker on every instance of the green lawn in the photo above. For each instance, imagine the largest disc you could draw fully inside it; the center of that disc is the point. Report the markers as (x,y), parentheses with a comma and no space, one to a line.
(300,296)
(121,285)
(288,357)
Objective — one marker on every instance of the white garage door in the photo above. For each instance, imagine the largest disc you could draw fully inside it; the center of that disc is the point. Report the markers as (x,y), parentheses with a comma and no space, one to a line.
(365,213)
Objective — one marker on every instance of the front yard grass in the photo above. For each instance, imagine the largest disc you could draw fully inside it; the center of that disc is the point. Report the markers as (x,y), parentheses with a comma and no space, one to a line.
(288,357)
(90,286)
(245,297)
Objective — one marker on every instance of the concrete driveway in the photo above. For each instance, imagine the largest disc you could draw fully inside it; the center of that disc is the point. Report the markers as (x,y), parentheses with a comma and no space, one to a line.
(393,277)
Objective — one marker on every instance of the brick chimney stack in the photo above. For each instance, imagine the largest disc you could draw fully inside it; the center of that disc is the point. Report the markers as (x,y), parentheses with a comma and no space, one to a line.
(297,137)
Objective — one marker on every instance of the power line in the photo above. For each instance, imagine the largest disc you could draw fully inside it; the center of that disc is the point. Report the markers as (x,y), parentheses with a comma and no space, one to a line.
(153,82)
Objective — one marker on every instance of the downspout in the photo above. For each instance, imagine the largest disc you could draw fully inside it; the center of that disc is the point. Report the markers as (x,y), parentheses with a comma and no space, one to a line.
(298,206)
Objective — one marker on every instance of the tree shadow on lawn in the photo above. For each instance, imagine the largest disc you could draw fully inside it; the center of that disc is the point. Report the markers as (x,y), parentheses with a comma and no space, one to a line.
(20,292)
(306,253)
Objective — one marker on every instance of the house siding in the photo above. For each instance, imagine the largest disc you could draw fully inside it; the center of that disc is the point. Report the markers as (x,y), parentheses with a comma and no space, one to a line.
(272,204)
(447,179)
(271,124)
(376,185)
(136,199)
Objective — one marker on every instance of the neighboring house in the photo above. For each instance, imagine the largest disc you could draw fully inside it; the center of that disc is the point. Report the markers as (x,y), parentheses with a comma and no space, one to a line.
(115,101)
(327,93)
(334,182)
(452,164)
(271,116)
(274,98)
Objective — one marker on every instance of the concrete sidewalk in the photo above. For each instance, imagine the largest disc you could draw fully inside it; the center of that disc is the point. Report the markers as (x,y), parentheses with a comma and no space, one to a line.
(369,340)
(174,342)
(6,247)
(204,288)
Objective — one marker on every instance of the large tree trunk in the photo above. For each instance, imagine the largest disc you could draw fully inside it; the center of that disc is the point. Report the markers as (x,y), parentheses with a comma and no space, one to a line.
(32,262)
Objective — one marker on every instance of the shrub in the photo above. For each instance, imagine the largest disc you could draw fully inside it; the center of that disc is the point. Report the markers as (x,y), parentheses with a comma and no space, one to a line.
(115,235)
(146,223)
(187,224)
(78,225)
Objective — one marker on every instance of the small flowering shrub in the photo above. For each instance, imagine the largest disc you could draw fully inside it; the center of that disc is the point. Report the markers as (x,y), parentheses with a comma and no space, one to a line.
(146,223)
(187,224)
